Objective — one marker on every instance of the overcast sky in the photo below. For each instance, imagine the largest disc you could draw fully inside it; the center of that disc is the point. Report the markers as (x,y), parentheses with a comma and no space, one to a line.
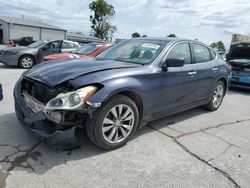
(205,20)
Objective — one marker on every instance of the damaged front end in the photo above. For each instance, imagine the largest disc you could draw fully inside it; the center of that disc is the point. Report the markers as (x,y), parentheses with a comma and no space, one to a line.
(47,111)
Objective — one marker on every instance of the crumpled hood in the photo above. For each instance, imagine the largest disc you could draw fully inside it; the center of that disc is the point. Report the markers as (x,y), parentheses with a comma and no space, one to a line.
(63,56)
(53,73)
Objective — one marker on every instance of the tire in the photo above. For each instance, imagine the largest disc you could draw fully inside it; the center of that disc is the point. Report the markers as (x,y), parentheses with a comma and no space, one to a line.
(217,98)
(26,62)
(113,124)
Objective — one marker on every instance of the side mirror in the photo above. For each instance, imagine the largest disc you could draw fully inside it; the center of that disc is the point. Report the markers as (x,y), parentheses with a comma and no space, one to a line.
(173,62)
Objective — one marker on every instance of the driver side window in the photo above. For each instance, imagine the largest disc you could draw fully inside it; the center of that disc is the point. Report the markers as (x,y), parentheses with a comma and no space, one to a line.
(53,45)
(181,51)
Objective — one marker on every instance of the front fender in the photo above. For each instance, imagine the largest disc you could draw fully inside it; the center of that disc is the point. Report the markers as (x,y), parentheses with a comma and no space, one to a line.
(116,86)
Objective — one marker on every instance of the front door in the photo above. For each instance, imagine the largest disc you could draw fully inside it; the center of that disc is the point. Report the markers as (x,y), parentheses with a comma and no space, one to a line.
(178,84)
(49,48)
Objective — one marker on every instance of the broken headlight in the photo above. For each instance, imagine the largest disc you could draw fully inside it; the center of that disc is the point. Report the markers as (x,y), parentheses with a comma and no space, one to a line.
(72,100)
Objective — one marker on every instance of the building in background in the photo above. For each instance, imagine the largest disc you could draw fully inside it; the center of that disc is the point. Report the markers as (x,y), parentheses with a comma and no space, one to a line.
(238,38)
(14,28)
(78,37)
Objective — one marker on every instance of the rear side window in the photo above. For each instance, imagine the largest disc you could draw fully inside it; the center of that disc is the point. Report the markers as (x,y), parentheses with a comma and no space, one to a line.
(182,51)
(201,53)
(67,45)
(213,55)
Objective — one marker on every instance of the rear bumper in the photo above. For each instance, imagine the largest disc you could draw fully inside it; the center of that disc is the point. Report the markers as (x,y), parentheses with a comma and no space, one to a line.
(37,123)
(242,82)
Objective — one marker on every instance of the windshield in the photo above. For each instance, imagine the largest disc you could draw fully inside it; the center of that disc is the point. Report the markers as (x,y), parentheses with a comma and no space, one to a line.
(37,44)
(87,49)
(139,51)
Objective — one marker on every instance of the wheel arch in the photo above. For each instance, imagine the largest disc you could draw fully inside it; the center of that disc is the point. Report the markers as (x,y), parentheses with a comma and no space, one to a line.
(225,81)
(133,95)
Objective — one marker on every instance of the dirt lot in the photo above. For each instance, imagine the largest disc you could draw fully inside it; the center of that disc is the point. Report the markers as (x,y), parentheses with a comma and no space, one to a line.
(191,149)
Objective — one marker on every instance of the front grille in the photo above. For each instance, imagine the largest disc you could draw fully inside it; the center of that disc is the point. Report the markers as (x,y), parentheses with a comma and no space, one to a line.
(39,91)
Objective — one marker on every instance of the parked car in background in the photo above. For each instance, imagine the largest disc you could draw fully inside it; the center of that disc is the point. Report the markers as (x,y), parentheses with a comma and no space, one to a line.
(23,41)
(26,57)
(85,51)
(239,60)
(122,89)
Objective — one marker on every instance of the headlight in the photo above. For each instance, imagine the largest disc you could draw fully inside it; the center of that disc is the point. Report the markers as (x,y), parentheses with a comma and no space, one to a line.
(72,100)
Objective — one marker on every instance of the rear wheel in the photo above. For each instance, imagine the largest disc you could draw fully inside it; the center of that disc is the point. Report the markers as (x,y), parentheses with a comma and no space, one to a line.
(114,123)
(217,97)
(26,62)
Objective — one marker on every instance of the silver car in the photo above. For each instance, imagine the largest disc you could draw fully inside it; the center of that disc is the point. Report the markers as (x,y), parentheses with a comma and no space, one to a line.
(26,57)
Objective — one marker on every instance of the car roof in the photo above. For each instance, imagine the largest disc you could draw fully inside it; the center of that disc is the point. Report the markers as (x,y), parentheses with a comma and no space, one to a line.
(167,39)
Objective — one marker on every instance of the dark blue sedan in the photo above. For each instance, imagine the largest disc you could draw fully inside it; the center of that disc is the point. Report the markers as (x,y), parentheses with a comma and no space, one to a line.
(122,89)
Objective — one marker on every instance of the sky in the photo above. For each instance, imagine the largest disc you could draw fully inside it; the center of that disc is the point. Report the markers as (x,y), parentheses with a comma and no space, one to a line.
(205,20)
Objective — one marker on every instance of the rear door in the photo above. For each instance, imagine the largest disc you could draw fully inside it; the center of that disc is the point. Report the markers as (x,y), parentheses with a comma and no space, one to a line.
(207,70)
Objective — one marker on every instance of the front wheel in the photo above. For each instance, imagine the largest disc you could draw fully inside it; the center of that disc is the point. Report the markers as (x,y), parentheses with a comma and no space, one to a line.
(26,62)
(217,98)
(114,123)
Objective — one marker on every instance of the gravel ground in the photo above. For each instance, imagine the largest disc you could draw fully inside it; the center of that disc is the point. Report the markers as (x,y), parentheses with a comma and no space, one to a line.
(195,148)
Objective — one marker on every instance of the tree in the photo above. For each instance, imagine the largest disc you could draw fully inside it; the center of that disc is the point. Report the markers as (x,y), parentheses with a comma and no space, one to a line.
(136,35)
(172,35)
(144,36)
(219,46)
(101,26)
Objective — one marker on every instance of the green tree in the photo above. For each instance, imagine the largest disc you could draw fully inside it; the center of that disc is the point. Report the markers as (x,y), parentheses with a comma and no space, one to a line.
(136,35)
(219,46)
(171,35)
(144,36)
(100,19)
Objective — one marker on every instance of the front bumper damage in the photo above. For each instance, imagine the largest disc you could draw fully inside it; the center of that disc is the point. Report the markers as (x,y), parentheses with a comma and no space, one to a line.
(46,124)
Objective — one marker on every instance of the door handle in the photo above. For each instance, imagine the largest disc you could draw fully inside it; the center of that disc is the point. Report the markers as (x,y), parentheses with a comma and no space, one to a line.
(215,68)
(191,73)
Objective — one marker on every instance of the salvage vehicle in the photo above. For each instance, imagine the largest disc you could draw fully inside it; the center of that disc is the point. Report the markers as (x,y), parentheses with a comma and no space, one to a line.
(86,51)
(125,87)
(239,60)
(26,57)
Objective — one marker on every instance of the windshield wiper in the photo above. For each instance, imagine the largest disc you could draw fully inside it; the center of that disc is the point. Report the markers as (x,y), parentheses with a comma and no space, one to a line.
(102,59)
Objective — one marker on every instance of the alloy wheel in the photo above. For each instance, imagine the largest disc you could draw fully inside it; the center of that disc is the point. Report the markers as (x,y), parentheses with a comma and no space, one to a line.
(218,95)
(118,123)
(27,62)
